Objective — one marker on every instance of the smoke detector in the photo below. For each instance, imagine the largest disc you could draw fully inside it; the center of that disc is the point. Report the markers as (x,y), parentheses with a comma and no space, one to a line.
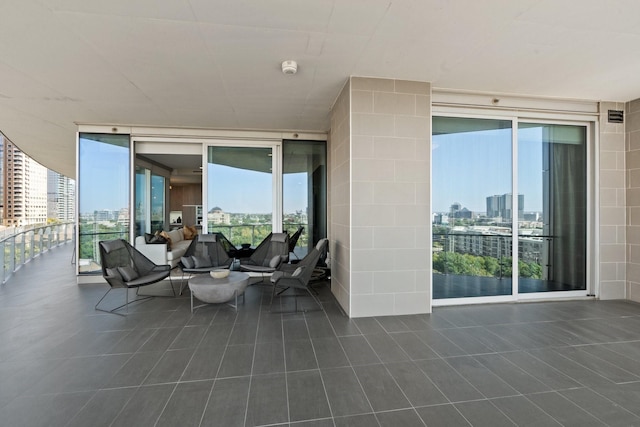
(289,67)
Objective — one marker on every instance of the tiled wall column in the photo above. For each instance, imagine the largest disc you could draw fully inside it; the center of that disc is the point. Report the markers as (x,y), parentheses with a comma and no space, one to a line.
(632,119)
(385,266)
(612,205)
(340,196)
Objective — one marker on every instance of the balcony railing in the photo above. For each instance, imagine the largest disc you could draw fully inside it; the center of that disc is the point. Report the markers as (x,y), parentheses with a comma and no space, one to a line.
(20,245)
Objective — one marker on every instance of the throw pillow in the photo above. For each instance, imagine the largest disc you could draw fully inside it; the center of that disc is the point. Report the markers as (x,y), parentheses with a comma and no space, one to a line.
(128,273)
(189,232)
(114,273)
(152,239)
(202,261)
(297,272)
(187,261)
(166,236)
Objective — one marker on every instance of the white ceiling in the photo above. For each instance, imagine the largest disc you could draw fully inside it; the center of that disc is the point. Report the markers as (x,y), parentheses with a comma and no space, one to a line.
(216,64)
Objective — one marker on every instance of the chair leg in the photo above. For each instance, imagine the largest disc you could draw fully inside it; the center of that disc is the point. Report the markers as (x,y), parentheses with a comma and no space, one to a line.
(126,302)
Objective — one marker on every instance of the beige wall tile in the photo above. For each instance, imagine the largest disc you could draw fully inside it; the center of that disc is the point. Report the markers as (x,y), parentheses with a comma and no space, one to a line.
(391,148)
(395,193)
(362,282)
(394,282)
(394,238)
(412,126)
(394,103)
(373,124)
(362,238)
(412,171)
(612,216)
(362,193)
(362,147)
(613,289)
(373,170)
(413,87)
(612,179)
(412,303)
(362,101)
(372,305)
(423,106)
(365,83)
(373,216)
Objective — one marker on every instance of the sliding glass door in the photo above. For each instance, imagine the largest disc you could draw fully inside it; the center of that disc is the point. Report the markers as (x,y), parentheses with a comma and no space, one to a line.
(477,167)
(240,193)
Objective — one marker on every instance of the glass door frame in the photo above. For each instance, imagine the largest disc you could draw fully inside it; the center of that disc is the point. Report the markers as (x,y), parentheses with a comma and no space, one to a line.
(592,263)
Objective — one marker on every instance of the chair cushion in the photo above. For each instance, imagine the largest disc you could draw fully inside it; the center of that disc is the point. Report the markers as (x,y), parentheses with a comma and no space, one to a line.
(202,261)
(275,261)
(128,273)
(188,262)
(113,272)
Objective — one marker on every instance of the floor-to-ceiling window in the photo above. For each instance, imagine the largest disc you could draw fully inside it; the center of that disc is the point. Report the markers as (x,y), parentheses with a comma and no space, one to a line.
(478,166)
(103,194)
(304,192)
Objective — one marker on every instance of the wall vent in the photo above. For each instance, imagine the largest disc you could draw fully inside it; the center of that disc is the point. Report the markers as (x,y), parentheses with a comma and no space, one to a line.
(616,116)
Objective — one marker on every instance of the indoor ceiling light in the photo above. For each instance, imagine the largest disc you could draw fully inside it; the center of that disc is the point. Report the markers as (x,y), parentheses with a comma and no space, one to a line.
(289,67)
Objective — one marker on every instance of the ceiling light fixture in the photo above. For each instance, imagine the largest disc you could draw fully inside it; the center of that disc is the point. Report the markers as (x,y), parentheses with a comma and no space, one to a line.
(289,67)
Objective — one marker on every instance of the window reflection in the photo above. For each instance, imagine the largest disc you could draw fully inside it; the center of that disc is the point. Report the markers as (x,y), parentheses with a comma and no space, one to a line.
(103,194)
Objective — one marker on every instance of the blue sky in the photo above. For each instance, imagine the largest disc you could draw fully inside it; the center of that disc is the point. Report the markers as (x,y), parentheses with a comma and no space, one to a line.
(470,166)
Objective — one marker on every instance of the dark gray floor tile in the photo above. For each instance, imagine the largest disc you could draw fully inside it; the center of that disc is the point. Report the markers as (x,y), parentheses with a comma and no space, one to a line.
(485,381)
(415,322)
(270,330)
(267,400)
(18,376)
(186,405)
(49,410)
(466,340)
(369,325)
(577,372)
(625,395)
(243,333)
(442,416)
(563,410)
(364,420)
(307,396)
(386,348)
(329,352)
(135,370)
(391,324)
(603,352)
(80,374)
(133,341)
(602,408)
(482,413)
(299,355)
(204,364)
(448,381)
(295,330)
(523,412)
(511,374)
(103,408)
(189,337)
(381,389)
(415,348)
(346,396)
(597,365)
(269,358)
(417,387)
(439,343)
(145,406)
(237,361)
(320,327)
(161,340)
(217,335)
(358,350)
(404,418)
(170,366)
(227,403)
(545,373)
(342,325)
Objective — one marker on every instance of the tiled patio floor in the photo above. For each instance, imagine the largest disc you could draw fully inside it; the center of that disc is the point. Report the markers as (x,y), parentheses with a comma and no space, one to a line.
(64,364)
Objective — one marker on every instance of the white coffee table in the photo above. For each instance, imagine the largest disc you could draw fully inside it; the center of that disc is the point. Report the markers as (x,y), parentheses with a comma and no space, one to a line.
(216,291)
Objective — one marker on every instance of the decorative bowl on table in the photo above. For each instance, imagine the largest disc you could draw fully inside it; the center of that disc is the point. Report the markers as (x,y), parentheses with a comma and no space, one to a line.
(219,274)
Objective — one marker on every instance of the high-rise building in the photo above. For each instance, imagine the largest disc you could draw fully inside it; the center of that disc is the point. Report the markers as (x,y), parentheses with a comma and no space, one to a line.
(24,197)
(61,192)
(500,206)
